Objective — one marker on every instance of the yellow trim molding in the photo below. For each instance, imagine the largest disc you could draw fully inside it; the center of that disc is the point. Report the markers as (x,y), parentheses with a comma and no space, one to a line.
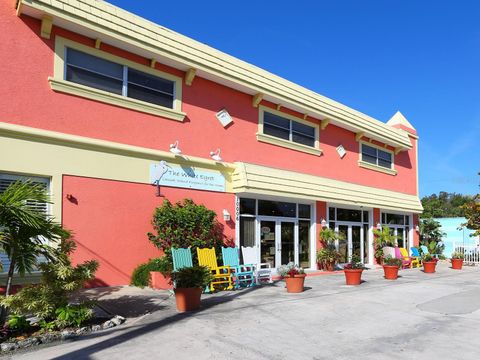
(189,76)
(369,166)
(264,180)
(46,27)
(359,135)
(57,83)
(287,143)
(153,62)
(324,123)
(141,36)
(98,43)
(257,99)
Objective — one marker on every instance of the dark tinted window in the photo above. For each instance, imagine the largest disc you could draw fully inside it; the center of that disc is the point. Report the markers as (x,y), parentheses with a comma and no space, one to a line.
(276,208)
(247,206)
(287,129)
(349,215)
(304,211)
(150,88)
(395,219)
(376,156)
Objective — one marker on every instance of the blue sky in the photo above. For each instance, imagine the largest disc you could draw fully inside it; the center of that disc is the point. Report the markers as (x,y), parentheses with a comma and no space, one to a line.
(376,56)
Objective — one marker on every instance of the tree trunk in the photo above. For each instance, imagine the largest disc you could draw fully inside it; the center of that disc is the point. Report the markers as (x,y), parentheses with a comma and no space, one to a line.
(11,271)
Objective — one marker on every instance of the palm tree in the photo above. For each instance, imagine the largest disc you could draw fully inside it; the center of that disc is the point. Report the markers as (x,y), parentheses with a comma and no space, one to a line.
(23,230)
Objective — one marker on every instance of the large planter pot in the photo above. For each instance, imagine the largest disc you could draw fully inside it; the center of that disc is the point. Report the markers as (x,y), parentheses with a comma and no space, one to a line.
(353,276)
(188,299)
(429,267)
(391,272)
(158,281)
(329,266)
(457,264)
(295,284)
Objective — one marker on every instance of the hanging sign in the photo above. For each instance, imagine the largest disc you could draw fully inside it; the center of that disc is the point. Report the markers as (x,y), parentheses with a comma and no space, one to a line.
(183,176)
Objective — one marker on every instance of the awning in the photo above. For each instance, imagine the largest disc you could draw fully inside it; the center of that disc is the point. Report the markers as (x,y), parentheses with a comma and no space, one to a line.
(265,180)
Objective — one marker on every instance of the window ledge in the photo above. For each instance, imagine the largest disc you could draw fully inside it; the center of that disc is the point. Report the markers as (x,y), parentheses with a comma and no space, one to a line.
(369,166)
(288,144)
(114,99)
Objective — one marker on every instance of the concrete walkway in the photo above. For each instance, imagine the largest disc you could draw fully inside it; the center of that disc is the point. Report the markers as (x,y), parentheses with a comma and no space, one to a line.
(416,317)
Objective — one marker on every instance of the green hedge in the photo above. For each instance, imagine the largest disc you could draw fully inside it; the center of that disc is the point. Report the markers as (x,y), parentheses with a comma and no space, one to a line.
(141,274)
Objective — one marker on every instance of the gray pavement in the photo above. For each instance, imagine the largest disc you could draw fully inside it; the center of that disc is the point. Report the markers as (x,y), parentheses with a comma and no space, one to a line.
(418,316)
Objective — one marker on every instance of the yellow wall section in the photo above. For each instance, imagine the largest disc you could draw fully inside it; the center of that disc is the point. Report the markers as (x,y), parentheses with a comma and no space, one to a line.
(51,154)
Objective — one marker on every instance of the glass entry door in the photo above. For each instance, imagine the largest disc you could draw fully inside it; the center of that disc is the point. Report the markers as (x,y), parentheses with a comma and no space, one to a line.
(351,242)
(278,242)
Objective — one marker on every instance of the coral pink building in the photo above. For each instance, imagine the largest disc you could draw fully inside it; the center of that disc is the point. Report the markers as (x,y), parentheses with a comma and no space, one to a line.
(101,105)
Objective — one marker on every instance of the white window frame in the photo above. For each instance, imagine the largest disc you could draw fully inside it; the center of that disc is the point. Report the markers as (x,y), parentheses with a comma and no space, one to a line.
(376,167)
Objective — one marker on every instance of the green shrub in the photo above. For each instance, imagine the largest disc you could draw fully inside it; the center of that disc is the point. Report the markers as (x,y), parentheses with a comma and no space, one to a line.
(18,322)
(192,277)
(72,315)
(392,261)
(60,279)
(141,274)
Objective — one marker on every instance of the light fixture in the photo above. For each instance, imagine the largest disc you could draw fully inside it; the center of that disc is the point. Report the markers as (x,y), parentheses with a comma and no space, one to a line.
(323,223)
(224,117)
(379,226)
(341,151)
(226,215)
(174,149)
(215,155)
(417,228)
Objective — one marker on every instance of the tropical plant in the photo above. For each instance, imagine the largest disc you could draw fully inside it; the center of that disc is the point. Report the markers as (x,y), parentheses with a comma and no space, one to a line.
(472,214)
(457,255)
(290,270)
(192,277)
(184,225)
(328,255)
(141,274)
(428,258)
(430,230)
(354,263)
(60,279)
(383,237)
(72,315)
(444,205)
(18,323)
(392,261)
(24,229)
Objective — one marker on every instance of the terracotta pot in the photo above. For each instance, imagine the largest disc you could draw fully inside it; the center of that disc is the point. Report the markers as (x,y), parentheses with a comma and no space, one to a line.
(353,276)
(329,266)
(188,299)
(391,272)
(457,264)
(320,265)
(295,284)
(429,267)
(158,281)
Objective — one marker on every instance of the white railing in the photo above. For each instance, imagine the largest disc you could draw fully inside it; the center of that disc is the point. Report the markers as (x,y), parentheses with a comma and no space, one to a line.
(471,252)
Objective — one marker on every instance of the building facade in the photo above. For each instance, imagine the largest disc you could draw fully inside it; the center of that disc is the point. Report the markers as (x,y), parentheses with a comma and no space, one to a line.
(102,106)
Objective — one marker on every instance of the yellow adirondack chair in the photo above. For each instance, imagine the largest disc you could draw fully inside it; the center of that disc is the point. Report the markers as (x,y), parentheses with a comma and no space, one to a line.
(415,261)
(221,274)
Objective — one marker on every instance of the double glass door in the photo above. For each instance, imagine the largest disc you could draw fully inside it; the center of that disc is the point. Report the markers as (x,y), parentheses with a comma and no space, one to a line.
(278,241)
(353,242)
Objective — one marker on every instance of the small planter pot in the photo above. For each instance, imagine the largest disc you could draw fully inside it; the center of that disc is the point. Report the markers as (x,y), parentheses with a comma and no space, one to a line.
(353,276)
(159,282)
(457,264)
(391,272)
(188,299)
(295,284)
(329,266)
(429,267)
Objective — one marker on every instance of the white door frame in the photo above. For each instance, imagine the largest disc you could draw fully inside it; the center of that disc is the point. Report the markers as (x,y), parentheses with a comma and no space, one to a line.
(350,237)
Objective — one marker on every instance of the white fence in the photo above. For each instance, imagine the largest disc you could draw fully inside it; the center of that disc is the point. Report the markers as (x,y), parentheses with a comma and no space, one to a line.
(471,252)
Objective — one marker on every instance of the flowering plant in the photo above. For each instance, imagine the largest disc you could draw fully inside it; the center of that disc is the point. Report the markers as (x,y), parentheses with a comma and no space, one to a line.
(354,263)
(290,270)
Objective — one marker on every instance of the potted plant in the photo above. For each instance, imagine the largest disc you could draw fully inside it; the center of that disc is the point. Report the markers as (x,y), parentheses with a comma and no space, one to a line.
(294,277)
(391,266)
(353,271)
(189,283)
(328,256)
(429,263)
(383,237)
(160,277)
(457,260)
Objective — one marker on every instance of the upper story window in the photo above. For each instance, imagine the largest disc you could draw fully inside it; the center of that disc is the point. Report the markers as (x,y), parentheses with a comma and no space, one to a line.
(376,156)
(95,74)
(285,130)
(102,74)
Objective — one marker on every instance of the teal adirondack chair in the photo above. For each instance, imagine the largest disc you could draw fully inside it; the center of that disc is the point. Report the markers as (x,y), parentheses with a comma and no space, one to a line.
(242,274)
(181,258)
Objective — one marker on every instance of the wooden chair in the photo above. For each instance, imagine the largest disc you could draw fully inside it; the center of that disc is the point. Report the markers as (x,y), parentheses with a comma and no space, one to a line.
(407,262)
(242,274)
(181,258)
(415,262)
(221,274)
(262,271)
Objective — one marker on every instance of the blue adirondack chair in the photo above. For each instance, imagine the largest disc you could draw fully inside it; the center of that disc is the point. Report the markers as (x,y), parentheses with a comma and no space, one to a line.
(242,274)
(181,258)
(425,251)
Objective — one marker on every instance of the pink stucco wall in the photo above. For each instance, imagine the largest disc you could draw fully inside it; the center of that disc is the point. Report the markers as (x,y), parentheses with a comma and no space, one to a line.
(30,62)
(110,221)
